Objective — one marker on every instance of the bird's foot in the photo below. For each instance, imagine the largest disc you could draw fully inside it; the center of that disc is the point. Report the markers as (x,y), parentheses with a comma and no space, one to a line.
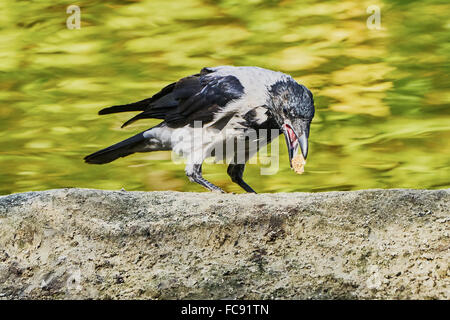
(194,174)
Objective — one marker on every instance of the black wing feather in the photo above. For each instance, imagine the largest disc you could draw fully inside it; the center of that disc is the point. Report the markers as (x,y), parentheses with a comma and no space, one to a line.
(215,94)
(194,98)
(140,105)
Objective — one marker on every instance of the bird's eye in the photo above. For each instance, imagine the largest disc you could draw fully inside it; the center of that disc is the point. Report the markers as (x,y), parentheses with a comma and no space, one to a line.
(285,110)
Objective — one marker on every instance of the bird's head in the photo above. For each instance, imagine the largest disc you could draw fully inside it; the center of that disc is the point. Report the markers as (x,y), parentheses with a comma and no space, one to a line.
(292,106)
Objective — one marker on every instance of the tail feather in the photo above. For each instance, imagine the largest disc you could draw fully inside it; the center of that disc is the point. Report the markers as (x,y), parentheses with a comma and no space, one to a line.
(118,150)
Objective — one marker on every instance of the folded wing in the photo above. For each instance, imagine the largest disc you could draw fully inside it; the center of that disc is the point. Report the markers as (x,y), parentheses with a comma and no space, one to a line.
(195,98)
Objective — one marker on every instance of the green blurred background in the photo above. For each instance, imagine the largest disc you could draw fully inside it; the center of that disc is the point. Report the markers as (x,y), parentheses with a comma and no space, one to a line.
(382,96)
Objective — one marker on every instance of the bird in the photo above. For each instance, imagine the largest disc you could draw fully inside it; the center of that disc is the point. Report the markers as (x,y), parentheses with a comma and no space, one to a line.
(224,99)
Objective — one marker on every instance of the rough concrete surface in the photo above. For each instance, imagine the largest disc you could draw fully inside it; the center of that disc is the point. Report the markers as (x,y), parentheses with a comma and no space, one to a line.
(369,244)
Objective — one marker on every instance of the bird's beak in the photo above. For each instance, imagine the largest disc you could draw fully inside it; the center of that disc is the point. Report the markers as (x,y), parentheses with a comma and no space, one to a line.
(294,141)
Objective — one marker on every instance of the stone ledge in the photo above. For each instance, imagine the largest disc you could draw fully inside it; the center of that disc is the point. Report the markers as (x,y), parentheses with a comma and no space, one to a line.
(368,244)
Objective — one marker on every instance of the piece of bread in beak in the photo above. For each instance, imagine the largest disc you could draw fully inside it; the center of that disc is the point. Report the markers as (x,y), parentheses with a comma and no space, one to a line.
(298,163)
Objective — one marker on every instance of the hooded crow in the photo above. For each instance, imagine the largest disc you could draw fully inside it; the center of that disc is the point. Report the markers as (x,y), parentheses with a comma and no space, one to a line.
(235,100)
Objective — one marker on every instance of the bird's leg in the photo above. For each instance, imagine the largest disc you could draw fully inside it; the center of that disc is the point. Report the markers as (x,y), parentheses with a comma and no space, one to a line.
(236,171)
(194,173)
